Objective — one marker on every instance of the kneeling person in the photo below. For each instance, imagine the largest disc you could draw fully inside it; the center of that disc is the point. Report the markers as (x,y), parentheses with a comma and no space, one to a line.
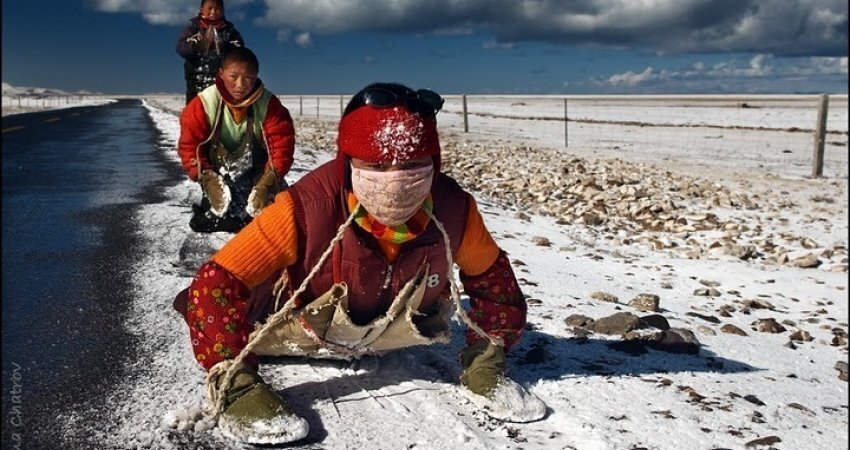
(369,239)
(237,140)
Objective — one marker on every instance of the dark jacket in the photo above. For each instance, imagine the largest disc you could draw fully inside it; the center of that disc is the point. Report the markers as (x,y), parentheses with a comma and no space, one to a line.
(199,69)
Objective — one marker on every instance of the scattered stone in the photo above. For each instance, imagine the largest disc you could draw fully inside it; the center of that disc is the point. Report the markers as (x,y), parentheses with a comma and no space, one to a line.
(806,261)
(725,311)
(707,292)
(767,440)
(732,329)
(709,283)
(841,367)
(674,340)
(632,335)
(581,335)
(757,417)
(758,304)
(769,325)
(744,252)
(753,399)
(605,297)
(645,302)
(655,321)
(801,408)
(617,324)
(695,397)
(578,320)
(541,241)
(704,317)
(643,203)
(708,331)
(665,414)
(801,335)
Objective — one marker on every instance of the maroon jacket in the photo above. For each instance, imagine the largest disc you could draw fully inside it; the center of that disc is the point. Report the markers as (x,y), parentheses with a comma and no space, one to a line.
(221,310)
(319,200)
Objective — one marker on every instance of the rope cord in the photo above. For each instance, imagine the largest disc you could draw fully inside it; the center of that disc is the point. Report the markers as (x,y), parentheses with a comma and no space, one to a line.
(227,368)
(455,292)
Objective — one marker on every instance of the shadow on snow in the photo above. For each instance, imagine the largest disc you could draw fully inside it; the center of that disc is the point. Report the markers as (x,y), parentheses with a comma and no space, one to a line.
(539,356)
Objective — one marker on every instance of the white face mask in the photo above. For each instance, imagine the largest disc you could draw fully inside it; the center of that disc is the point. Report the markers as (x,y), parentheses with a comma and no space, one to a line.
(394,196)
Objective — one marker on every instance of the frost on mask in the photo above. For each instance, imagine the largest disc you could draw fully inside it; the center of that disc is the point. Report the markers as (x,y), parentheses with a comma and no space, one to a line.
(400,138)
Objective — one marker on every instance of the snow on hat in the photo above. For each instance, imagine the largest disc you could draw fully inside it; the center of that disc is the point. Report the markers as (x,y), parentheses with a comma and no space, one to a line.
(389,134)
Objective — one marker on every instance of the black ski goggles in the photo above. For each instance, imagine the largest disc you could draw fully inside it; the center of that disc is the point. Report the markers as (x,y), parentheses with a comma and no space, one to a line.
(424,102)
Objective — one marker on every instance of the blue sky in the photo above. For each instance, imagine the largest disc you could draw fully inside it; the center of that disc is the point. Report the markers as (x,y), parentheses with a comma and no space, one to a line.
(452,46)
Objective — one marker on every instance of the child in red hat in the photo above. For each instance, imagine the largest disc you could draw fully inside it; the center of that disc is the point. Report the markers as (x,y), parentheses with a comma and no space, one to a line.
(369,240)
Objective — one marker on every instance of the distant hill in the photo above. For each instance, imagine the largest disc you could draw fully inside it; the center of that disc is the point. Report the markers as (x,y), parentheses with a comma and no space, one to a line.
(10,90)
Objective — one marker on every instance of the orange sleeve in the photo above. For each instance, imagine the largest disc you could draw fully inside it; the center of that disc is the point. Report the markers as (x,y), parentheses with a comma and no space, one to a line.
(265,245)
(478,251)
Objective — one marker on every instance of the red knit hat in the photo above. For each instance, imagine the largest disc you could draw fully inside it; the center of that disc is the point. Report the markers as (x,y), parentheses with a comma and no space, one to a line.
(390,134)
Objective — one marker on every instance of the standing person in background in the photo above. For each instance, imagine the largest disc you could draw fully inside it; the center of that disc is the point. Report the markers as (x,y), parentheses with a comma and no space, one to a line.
(202,42)
(237,140)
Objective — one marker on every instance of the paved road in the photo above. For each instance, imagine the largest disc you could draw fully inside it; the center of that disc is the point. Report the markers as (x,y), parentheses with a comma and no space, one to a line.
(71,182)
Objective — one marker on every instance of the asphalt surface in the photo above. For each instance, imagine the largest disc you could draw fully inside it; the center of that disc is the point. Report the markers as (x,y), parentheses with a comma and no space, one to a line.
(72,180)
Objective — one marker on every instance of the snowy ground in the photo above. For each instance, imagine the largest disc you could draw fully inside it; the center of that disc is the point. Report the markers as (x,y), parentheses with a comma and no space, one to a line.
(754,390)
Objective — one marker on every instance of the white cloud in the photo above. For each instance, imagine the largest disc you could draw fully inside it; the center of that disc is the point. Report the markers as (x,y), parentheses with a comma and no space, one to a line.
(759,67)
(801,27)
(159,12)
(304,40)
(631,78)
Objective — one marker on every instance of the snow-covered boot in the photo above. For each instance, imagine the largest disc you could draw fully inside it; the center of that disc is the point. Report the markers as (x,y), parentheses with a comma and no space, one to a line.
(488,387)
(255,413)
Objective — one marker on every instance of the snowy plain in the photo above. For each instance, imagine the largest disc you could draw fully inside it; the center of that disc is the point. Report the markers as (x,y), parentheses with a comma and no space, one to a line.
(752,391)
(18,99)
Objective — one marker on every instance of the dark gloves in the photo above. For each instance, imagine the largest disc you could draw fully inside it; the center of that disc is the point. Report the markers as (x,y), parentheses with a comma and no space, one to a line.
(483,367)
(262,193)
(216,191)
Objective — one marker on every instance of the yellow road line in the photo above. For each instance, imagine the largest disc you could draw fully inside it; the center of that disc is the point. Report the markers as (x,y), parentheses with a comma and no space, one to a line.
(19,127)
(53,119)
